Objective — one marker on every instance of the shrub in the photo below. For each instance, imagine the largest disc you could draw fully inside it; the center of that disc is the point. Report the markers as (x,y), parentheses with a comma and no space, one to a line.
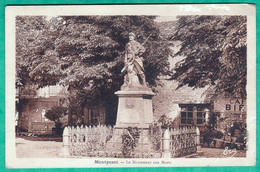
(55,114)
(155,135)
(130,137)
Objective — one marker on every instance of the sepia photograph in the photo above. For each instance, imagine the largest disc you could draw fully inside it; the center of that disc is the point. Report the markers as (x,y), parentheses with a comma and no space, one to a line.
(131,85)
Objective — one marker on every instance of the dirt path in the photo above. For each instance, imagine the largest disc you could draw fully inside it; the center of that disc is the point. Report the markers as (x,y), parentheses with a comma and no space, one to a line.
(37,149)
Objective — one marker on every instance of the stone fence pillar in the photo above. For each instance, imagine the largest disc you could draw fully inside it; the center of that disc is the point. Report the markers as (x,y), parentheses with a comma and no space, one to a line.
(65,147)
(166,144)
(199,151)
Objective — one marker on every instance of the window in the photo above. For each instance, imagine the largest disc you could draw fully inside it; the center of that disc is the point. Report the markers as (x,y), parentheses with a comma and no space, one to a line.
(193,114)
(187,115)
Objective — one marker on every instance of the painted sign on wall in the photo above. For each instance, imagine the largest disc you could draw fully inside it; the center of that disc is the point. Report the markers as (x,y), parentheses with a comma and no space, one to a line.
(233,105)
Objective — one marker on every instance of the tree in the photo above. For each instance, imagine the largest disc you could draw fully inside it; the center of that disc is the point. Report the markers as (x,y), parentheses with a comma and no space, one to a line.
(30,37)
(55,114)
(215,49)
(83,52)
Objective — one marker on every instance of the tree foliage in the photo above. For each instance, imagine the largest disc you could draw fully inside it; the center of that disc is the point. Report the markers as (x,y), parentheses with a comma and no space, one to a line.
(215,49)
(30,35)
(85,53)
(55,114)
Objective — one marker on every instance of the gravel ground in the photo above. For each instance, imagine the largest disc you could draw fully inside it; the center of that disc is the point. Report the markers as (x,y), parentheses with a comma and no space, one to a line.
(37,149)
(51,149)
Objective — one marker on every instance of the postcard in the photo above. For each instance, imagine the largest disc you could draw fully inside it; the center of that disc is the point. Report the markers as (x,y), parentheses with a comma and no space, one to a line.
(168,85)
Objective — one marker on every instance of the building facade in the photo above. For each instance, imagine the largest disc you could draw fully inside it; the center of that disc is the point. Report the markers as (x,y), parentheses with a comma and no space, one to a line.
(221,118)
(32,105)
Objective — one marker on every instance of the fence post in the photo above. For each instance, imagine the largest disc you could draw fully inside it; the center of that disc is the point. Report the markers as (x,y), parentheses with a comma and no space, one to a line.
(166,144)
(198,141)
(65,147)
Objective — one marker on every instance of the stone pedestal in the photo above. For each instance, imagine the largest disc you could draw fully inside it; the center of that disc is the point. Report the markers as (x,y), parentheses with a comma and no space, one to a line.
(134,110)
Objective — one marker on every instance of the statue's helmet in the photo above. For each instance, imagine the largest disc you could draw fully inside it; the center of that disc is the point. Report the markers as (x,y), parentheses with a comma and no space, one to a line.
(131,34)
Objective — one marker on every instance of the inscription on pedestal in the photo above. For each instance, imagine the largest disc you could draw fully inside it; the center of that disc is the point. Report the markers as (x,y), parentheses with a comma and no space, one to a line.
(129,103)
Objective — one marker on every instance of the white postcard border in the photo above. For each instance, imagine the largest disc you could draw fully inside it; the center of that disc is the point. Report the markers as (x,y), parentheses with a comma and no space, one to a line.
(162,10)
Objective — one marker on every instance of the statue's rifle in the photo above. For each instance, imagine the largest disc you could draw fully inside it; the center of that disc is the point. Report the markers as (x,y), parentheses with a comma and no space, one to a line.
(143,43)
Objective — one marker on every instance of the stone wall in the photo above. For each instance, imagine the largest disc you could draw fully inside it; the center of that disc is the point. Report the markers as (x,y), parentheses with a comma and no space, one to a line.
(167,98)
(32,117)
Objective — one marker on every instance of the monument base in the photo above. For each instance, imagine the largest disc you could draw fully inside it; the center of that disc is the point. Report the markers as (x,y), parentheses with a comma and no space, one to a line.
(144,146)
(134,110)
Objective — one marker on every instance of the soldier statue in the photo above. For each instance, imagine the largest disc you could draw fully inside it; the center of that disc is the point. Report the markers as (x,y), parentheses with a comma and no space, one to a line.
(134,63)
